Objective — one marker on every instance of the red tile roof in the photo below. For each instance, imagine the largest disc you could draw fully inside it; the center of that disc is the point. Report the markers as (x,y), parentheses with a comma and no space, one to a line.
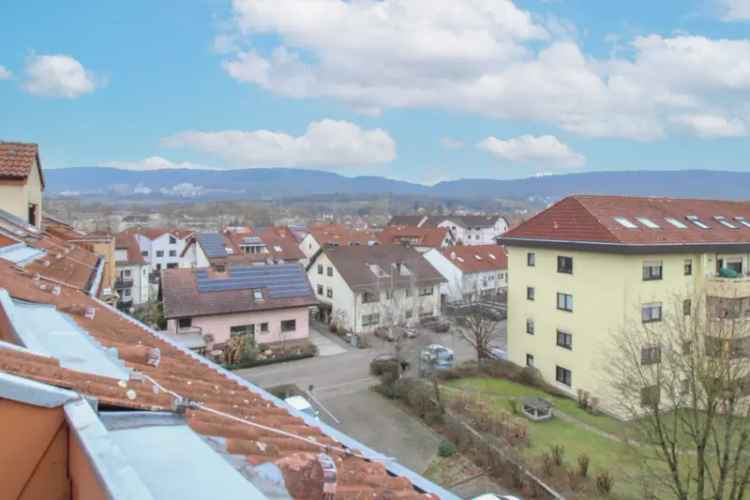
(433,237)
(478,258)
(65,262)
(281,243)
(6,241)
(588,218)
(153,233)
(17,159)
(182,373)
(127,242)
(339,234)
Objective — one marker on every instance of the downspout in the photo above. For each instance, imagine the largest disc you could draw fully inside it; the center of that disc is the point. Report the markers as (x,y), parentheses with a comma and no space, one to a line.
(97,278)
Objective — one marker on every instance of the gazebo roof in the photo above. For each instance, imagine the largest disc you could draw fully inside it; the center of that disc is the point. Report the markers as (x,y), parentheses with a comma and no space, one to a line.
(537,403)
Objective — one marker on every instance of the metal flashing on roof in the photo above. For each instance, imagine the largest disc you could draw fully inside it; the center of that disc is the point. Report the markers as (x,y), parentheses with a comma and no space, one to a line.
(172,460)
(43,329)
(21,254)
(24,390)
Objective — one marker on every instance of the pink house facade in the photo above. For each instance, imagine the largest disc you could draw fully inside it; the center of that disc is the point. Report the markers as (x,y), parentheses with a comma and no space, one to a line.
(206,307)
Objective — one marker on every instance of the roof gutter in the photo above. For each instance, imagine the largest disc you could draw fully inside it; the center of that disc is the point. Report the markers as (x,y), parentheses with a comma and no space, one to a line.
(625,248)
(390,465)
(94,287)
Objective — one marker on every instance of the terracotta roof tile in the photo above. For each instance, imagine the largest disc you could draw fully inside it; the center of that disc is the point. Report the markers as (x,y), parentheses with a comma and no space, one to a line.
(341,235)
(588,218)
(182,373)
(477,258)
(433,237)
(17,160)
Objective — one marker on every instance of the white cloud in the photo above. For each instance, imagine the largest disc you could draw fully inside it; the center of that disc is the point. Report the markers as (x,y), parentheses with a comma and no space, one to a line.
(154,163)
(708,126)
(735,10)
(451,143)
(58,75)
(5,73)
(533,150)
(327,143)
(487,57)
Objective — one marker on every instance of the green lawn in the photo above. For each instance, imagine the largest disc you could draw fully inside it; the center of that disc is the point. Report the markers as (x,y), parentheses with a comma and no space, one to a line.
(603,452)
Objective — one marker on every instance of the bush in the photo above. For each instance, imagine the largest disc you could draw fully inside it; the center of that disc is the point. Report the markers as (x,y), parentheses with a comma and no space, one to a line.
(583,465)
(446,449)
(604,483)
(548,464)
(575,481)
(557,452)
(513,406)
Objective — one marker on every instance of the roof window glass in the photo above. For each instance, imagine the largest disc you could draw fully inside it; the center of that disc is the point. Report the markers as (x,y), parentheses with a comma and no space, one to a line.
(647,222)
(625,223)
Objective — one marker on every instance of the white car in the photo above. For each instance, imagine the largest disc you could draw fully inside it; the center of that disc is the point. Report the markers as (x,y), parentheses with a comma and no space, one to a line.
(301,404)
(492,496)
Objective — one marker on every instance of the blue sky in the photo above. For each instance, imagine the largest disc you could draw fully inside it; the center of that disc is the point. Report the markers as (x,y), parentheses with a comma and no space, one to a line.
(422,90)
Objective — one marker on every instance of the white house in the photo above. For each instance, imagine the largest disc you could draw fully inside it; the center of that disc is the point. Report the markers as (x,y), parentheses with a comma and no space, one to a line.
(471,271)
(466,229)
(162,248)
(361,288)
(132,273)
(475,229)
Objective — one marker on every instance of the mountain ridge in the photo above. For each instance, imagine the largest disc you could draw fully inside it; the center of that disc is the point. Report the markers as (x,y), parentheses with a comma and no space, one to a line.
(266,183)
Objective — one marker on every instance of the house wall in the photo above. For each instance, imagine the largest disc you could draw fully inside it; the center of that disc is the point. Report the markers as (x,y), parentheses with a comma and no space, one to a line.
(397,306)
(309,246)
(16,195)
(453,288)
(342,302)
(608,292)
(141,289)
(35,448)
(161,244)
(194,257)
(475,235)
(219,325)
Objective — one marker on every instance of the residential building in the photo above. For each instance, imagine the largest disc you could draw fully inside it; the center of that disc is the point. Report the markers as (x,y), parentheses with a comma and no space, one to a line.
(21,181)
(472,272)
(334,235)
(273,245)
(465,229)
(361,288)
(589,267)
(421,239)
(208,306)
(95,404)
(132,283)
(162,248)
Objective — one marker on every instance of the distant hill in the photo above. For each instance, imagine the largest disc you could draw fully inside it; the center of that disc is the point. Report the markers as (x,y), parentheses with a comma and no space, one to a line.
(265,183)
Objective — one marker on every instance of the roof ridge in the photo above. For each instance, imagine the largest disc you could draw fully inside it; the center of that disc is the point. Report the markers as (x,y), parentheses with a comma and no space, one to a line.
(596,219)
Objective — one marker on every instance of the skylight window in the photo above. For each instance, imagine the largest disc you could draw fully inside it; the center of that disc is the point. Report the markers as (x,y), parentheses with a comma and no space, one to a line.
(477,257)
(742,221)
(258,295)
(724,222)
(625,223)
(696,220)
(492,256)
(648,223)
(676,223)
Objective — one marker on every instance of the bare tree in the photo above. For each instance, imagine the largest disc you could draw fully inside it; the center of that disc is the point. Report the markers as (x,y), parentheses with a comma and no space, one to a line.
(480,321)
(683,381)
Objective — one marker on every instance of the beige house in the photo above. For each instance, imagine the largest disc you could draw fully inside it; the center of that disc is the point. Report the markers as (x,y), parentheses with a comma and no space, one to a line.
(590,266)
(362,288)
(21,181)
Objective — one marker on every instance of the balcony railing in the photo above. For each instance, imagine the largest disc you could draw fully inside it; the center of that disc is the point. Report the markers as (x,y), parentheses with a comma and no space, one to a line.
(728,288)
(121,283)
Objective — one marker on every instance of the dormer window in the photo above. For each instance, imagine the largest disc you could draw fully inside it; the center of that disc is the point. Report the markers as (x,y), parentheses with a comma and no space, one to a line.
(696,220)
(724,222)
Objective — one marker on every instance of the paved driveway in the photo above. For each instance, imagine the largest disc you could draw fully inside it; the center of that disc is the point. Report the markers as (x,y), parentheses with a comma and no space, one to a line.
(342,385)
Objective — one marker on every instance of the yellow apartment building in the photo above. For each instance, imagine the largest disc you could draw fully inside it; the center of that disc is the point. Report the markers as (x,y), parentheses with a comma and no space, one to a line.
(588,267)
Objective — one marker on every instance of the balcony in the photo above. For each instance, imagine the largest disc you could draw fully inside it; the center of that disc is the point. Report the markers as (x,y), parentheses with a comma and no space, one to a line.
(728,288)
(121,283)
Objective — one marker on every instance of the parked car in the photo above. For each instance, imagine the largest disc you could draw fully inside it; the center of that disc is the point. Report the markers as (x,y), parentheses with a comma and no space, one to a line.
(436,356)
(301,404)
(385,362)
(385,334)
(496,352)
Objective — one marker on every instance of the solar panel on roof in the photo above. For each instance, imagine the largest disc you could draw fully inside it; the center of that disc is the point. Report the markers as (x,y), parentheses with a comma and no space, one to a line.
(281,281)
(212,244)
